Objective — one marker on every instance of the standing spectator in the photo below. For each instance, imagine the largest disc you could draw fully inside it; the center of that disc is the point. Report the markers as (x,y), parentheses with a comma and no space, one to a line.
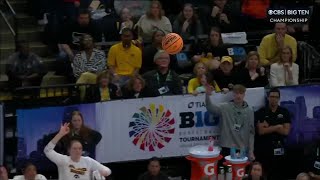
(162,81)
(153,171)
(74,166)
(124,58)
(104,90)
(271,45)
(221,16)
(149,51)
(25,67)
(200,70)
(30,173)
(285,72)
(273,123)
(153,20)
(187,23)
(89,59)
(252,75)
(213,45)
(237,122)
(225,75)
(135,88)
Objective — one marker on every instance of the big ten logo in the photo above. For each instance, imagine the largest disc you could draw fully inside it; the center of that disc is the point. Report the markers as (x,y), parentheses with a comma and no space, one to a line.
(209,169)
(240,172)
(197,119)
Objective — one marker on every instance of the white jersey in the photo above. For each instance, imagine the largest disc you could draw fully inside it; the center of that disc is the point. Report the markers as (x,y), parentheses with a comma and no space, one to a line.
(38,177)
(71,170)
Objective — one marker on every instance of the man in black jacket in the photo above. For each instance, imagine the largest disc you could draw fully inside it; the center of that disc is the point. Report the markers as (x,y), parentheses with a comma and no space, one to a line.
(153,172)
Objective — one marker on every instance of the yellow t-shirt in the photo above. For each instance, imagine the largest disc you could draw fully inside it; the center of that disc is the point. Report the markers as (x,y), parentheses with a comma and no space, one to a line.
(269,51)
(194,83)
(105,95)
(124,60)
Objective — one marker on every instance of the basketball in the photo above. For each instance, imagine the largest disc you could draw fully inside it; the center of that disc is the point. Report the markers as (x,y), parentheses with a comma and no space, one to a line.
(172,43)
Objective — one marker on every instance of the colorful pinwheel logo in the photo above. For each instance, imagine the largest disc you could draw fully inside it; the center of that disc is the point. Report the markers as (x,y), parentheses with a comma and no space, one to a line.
(152,128)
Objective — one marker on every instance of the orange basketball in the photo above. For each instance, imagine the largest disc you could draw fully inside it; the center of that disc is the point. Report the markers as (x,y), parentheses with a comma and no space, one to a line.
(172,43)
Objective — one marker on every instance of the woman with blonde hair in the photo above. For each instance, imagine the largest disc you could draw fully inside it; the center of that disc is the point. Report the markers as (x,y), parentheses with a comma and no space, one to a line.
(252,75)
(200,70)
(285,72)
(134,88)
(153,20)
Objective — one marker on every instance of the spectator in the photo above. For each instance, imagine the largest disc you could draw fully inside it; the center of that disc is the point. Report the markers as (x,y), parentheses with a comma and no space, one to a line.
(30,173)
(104,90)
(225,75)
(153,171)
(124,58)
(255,172)
(70,37)
(303,176)
(213,45)
(285,72)
(252,75)
(89,59)
(273,123)
(200,70)
(187,23)
(237,122)
(80,132)
(149,51)
(134,88)
(271,45)
(25,67)
(113,26)
(153,20)
(221,16)
(84,165)
(3,173)
(137,8)
(162,81)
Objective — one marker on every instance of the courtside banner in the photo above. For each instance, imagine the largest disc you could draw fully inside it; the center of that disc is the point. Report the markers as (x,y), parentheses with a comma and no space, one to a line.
(163,126)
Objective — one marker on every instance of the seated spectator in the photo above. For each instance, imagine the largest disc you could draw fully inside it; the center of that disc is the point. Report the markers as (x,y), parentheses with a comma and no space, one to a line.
(113,26)
(255,172)
(225,75)
(134,88)
(153,20)
(104,90)
(30,173)
(89,59)
(202,77)
(154,171)
(187,23)
(124,58)
(252,75)
(220,15)
(303,176)
(285,72)
(25,67)
(70,37)
(162,81)
(149,51)
(271,45)
(3,173)
(213,45)
(80,132)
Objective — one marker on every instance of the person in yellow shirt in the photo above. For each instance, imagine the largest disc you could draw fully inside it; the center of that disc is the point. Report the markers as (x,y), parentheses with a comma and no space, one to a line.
(124,58)
(200,70)
(271,45)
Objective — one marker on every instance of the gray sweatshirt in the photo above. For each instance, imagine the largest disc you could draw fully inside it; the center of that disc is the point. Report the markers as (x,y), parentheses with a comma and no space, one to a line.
(231,115)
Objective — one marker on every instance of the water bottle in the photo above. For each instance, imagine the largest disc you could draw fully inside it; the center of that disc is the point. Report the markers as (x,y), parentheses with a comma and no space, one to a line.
(229,173)
(221,174)
(233,152)
(211,142)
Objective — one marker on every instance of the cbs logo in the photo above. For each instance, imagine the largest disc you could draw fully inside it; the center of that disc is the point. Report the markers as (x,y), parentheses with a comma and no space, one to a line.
(276,12)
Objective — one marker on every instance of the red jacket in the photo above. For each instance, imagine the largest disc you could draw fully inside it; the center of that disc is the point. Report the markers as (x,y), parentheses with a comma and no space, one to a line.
(255,8)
